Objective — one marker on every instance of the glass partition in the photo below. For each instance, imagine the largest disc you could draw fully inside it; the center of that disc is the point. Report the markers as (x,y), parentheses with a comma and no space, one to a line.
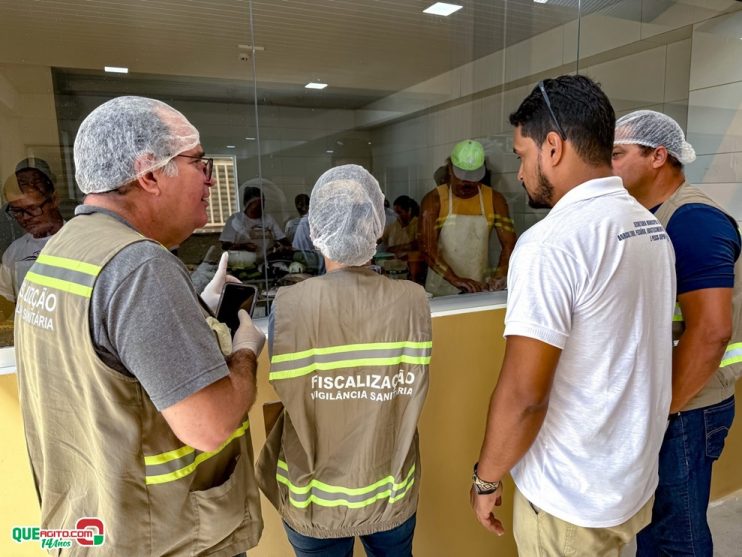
(193,56)
(282,91)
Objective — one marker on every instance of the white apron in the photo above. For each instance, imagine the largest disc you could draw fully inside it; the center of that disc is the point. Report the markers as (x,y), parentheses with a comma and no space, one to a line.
(264,239)
(463,243)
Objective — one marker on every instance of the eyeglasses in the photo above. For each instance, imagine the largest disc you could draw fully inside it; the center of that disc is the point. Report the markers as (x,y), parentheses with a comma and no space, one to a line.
(30,211)
(208,164)
(553,116)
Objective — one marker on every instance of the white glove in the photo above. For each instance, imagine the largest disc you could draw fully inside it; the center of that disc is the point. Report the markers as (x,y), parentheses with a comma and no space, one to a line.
(247,336)
(213,291)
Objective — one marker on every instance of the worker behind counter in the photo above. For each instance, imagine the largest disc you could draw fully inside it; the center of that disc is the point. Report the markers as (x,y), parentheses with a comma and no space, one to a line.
(252,229)
(401,237)
(301,202)
(342,459)
(33,203)
(457,219)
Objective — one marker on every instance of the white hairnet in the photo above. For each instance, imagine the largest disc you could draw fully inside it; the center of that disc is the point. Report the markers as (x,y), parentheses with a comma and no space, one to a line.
(127,137)
(654,129)
(346,214)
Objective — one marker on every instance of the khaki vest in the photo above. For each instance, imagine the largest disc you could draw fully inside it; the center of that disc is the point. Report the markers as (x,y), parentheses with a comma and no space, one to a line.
(721,384)
(97,444)
(350,363)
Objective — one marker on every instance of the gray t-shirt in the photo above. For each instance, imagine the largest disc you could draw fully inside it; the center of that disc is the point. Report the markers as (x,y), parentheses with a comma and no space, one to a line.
(146,322)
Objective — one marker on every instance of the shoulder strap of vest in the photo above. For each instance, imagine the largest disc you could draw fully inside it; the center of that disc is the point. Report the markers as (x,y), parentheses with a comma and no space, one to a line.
(684,195)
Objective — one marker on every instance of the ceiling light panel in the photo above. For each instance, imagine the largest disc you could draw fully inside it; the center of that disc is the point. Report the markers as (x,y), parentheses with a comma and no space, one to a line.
(442,8)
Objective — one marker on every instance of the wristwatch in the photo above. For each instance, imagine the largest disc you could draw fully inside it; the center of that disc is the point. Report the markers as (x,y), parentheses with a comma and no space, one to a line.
(482,487)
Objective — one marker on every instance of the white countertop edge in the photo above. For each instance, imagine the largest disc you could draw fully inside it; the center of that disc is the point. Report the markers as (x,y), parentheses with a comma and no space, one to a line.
(439,307)
(445,313)
(7,360)
(467,303)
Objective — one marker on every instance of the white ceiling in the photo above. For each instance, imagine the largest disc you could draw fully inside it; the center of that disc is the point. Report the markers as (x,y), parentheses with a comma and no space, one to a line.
(371,46)
(365,49)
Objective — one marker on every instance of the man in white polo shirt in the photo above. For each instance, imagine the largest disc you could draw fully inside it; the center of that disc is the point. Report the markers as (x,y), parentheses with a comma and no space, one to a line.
(581,406)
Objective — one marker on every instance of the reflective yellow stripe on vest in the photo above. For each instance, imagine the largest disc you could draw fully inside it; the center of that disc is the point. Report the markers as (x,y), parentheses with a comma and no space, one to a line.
(68,275)
(178,463)
(732,355)
(327,495)
(296,364)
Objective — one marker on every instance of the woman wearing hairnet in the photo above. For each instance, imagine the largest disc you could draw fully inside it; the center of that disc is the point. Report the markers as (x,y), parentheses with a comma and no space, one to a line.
(349,360)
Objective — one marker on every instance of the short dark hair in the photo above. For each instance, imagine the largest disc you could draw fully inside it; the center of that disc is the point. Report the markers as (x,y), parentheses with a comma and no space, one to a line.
(408,204)
(249,194)
(674,162)
(582,110)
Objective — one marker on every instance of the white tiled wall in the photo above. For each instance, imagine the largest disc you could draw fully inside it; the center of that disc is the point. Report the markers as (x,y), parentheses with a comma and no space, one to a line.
(715,110)
(652,79)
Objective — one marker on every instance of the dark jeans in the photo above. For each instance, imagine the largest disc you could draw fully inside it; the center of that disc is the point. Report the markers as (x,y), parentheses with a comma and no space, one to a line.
(693,441)
(396,542)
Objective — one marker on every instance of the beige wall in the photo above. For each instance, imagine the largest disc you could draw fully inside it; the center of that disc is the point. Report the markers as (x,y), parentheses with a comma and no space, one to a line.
(28,118)
(467,352)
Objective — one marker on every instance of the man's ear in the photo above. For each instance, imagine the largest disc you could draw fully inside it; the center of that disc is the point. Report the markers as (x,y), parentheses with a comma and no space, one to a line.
(147,179)
(553,148)
(659,157)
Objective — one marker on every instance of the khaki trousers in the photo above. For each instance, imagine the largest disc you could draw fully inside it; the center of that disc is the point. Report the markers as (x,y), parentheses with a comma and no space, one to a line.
(539,534)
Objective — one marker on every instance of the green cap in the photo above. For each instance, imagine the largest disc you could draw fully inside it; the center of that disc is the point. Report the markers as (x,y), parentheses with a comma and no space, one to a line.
(467,159)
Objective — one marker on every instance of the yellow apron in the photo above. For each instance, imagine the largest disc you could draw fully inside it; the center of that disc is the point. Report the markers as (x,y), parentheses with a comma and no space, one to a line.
(463,243)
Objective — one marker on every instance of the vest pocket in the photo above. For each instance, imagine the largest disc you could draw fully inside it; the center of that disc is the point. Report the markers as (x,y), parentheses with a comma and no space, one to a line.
(219,511)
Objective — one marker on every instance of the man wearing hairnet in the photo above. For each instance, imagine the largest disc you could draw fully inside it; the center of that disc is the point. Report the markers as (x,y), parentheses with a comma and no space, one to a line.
(33,203)
(135,413)
(649,154)
(349,360)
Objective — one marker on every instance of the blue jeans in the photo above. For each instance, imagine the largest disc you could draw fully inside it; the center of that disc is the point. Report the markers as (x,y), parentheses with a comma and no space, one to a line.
(396,542)
(693,441)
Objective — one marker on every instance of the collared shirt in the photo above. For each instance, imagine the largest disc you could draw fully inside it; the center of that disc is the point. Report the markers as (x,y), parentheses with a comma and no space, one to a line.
(595,279)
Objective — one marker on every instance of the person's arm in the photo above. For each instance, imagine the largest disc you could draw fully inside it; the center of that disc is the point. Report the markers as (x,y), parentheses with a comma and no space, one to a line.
(147,321)
(708,327)
(230,235)
(517,409)
(430,209)
(505,229)
(538,323)
(282,243)
(207,418)
(707,244)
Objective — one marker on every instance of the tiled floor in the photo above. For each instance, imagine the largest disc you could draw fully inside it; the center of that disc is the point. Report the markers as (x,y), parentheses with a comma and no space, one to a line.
(725,519)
